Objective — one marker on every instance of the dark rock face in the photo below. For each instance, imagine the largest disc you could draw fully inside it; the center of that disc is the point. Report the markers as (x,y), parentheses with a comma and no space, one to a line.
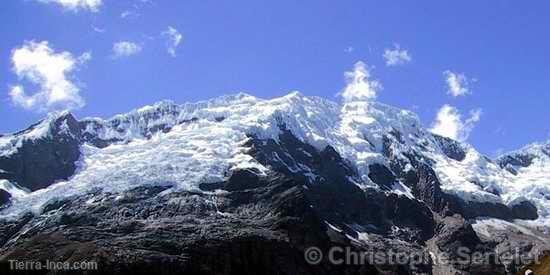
(242,180)
(519,159)
(302,161)
(525,210)
(41,162)
(411,215)
(337,200)
(450,148)
(426,186)
(88,128)
(470,209)
(456,238)
(381,175)
(4,198)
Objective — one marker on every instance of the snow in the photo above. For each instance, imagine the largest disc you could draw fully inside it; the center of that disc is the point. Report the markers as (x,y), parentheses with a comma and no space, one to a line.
(402,190)
(15,191)
(476,178)
(362,235)
(489,226)
(333,227)
(207,141)
(472,179)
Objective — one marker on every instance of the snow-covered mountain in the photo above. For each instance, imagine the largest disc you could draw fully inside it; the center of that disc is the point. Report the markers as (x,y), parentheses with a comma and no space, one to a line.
(200,142)
(383,150)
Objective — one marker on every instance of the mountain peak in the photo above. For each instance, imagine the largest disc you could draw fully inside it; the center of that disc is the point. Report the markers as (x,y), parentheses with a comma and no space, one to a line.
(44,128)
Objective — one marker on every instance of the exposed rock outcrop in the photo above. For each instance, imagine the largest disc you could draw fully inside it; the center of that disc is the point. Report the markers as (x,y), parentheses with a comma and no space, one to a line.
(451,148)
(4,198)
(44,160)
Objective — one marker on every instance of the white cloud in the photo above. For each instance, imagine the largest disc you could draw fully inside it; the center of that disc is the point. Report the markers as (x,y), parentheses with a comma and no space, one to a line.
(125,48)
(449,123)
(41,65)
(75,5)
(349,49)
(457,83)
(129,14)
(396,56)
(359,86)
(97,29)
(174,39)
(85,57)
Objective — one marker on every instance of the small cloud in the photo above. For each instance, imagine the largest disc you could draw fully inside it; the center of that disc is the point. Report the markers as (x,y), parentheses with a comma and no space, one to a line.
(76,5)
(349,49)
(97,29)
(500,130)
(449,123)
(85,57)
(127,14)
(51,71)
(174,38)
(148,37)
(359,86)
(457,83)
(396,56)
(125,49)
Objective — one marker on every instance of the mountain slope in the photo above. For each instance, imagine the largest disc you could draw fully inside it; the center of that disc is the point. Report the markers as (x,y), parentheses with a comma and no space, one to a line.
(362,174)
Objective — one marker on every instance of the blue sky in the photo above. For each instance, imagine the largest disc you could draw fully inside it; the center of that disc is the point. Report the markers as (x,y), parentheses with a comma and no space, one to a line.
(495,50)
